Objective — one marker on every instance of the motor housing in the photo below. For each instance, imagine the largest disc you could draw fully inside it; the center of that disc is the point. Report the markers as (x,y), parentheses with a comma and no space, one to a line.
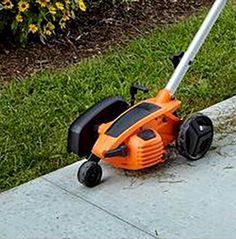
(145,149)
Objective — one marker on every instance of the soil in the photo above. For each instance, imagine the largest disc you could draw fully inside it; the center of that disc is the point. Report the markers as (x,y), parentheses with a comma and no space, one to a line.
(103,26)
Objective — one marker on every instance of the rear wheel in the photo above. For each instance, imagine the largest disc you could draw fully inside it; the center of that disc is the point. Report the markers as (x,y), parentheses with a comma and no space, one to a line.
(195,136)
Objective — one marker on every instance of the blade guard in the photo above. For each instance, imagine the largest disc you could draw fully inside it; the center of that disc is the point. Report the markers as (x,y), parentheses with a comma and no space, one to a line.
(83,131)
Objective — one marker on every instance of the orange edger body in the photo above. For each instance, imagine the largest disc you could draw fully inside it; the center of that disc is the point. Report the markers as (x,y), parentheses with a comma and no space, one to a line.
(142,132)
(135,136)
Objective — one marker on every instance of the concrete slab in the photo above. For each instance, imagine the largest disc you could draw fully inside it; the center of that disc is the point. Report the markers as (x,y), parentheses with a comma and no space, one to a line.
(180,199)
(40,210)
(223,112)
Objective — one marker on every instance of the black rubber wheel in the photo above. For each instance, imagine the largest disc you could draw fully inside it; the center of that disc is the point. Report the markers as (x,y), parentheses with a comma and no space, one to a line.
(195,136)
(90,174)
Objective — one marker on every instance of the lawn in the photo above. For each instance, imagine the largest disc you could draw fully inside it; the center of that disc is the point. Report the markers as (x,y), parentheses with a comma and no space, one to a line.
(35,113)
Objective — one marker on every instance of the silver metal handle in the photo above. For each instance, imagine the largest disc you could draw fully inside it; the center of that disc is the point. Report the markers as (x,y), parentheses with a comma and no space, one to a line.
(195,46)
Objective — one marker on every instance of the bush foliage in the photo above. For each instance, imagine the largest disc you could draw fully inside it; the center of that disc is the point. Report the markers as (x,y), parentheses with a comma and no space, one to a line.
(37,18)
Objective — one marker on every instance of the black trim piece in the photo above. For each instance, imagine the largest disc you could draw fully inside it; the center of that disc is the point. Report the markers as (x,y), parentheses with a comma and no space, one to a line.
(131,117)
(146,134)
(83,131)
(120,151)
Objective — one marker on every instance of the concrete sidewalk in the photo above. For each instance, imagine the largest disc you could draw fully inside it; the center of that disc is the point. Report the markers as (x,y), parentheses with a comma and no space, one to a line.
(181,199)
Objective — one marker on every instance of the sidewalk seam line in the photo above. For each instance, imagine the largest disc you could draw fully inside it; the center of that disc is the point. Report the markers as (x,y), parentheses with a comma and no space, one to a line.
(100,208)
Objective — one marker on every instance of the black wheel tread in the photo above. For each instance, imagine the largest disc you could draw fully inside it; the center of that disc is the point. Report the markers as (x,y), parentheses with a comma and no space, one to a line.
(84,173)
(181,139)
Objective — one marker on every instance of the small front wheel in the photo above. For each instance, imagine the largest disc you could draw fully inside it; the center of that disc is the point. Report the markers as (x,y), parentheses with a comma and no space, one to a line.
(90,174)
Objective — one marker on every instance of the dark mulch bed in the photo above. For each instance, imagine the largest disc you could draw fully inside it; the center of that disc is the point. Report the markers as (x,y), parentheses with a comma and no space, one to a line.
(102,26)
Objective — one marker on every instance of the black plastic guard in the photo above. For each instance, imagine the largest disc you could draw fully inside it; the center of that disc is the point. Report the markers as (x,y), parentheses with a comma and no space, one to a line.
(83,134)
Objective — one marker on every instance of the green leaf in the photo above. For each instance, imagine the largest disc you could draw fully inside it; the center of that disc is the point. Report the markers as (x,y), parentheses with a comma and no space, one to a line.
(14,25)
(42,38)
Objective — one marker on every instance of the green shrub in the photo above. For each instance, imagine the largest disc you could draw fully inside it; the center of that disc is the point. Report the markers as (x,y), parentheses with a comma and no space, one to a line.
(37,18)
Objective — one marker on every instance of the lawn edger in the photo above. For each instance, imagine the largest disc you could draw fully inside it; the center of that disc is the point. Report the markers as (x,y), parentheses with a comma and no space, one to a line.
(135,136)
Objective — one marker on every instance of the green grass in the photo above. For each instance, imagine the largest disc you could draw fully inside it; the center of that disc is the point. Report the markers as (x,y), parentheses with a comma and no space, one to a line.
(35,114)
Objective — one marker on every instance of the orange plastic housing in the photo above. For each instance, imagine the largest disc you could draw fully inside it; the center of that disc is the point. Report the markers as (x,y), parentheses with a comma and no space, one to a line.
(142,153)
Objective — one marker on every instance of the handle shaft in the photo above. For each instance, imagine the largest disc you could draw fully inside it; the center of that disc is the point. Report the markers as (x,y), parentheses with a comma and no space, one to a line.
(196,45)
